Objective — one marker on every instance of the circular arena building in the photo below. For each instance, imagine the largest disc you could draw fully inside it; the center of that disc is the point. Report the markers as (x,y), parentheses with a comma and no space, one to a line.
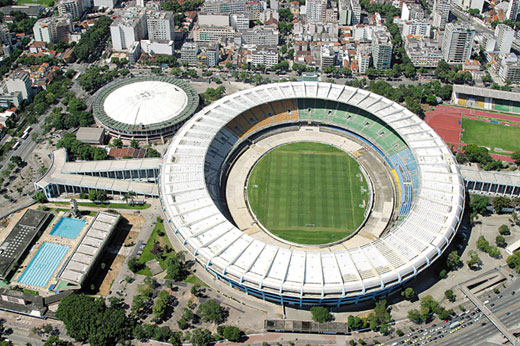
(144,108)
(246,186)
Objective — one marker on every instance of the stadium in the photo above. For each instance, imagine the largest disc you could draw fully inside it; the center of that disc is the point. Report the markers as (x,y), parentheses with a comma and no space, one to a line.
(246,186)
(144,108)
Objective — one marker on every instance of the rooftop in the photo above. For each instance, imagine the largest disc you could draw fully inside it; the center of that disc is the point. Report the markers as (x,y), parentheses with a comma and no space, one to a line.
(485,92)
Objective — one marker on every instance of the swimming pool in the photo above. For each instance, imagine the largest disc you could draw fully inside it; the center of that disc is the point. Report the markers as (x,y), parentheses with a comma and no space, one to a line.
(68,228)
(43,264)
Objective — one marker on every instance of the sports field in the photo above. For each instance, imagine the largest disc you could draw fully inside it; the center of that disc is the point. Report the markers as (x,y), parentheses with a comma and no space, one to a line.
(308,193)
(491,135)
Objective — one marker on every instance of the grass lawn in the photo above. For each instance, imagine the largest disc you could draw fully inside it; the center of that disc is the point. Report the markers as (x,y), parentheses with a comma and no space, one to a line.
(308,193)
(193,279)
(147,254)
(491,135)
(46,3)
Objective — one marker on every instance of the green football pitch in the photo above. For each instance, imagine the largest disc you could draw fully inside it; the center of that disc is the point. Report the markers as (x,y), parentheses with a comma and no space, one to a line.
(490,135)
(308,193)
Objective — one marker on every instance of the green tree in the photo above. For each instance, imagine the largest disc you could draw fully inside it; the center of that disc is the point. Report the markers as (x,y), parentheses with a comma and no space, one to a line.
(408,293)
(134,144)
(453,260)
(499,203)
(516,157)
(17,160)
(482,244)
(117,142)
(211,311)
(134,265)
(176,267)
(513,261)
(40,197)
(500,241)
(231,333)
(479,203)
(450,295)
(474,260)
(415,316)
(320,314)
(201,337)
(55,341)
(504,230)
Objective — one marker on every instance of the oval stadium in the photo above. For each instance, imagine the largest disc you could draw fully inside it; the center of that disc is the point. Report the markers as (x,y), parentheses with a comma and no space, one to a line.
(311,193)
(144,108)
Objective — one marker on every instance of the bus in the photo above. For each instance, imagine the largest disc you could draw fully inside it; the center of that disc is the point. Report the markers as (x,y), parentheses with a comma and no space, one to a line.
(26,132)
(16,145)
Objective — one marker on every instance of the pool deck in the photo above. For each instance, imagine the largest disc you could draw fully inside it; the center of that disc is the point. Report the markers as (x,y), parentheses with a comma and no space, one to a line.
(47,237)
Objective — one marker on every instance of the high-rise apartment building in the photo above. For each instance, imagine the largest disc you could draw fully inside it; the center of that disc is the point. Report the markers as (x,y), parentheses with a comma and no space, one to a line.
(416,28)
(189,52)
(129,28)
(411,11)
(161,26)
(316,11)
(504,35)
(513,10)
(224,6)
(457,43)
(363,55)
(73,7)
(381,49)
(441,13)
(52,29)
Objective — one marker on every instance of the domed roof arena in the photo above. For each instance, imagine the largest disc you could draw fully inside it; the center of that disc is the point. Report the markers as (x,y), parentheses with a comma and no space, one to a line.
(144,108)
(415,205)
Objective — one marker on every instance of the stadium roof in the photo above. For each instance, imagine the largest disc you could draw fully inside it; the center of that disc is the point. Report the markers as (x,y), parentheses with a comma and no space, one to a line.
(486,92)
(190,179)
(145,103)
(503,178)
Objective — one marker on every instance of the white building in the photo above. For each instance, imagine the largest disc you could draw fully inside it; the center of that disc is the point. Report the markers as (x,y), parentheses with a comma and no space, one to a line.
(504,35)
(154,47)
(213,20)
(105,3)
(213,33)
(261,35)
(470,4)
(513,9)
(509,68)
(189,53)
(416,28)
(52,29)
(363,55)
(316,11)
(412,11)
(19,82)
(161,26)
(457,43)
(239,21)
(224,6)
(423,52)
(441,13)
(129,28)
(382,50)
(73,7)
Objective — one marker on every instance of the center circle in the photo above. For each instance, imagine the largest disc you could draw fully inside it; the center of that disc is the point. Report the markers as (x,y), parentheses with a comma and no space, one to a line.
(308,193)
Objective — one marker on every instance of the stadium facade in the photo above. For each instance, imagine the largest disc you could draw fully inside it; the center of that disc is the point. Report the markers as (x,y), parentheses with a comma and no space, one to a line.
(429,194)
(144,108)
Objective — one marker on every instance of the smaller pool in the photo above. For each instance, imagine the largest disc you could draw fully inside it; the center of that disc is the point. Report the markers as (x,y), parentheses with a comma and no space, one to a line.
(68,228)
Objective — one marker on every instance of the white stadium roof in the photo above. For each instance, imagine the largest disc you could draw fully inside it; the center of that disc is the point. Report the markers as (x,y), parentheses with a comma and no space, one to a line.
(186,190)
(145,102)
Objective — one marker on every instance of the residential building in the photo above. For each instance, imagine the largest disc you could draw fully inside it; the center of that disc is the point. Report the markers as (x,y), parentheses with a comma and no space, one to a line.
(509,68)
(19,82)
(214,20)
(239,21)
(316,11)
(71,7)
(160,25)
(253,9)
(416,28)
(423,52)
(381,49)
(275,5)
(224,6)
(457,43)
(441,13)
(269,14)
(504,35)
(349,12)
(513,10)
(213,33)
(261,35)
(363,56)
(128,28)
(411,11)
(470,4)
(105,3)
(264,56)
(327,56)
(189,53)
(52,29)
(157,47)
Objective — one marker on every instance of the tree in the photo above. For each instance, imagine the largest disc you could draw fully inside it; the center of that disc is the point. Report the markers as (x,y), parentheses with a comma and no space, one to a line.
(176,267)
(40,197)
(479,203)
(415,316)
(117,142)
(17,160)
(504,230)
(513,261)
(201,337)
(53,340)
(453,260)
(90,320)
(474,260)
(500,241)
(231,333)
(134,265)
(499,203)
(134,144)
(516,157)
(211,311)
(449,295)
(408,293)
(320,314)
(482,244)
